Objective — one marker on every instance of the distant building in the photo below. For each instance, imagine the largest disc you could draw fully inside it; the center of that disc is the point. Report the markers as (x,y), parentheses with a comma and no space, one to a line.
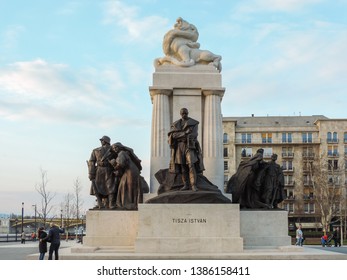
(4,225)
(296,140)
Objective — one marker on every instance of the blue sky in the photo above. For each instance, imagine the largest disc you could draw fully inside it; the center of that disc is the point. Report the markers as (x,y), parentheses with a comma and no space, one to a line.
(73,71)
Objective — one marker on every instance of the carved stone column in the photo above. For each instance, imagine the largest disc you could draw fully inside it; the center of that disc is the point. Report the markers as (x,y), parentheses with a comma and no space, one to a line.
(160,151)
(213,137)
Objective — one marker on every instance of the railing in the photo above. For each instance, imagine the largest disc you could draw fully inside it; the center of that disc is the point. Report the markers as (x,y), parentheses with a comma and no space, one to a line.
(308,155)
(278,141)
(333,154)
(287,155)
(11,237)
(332,141)
(288,169)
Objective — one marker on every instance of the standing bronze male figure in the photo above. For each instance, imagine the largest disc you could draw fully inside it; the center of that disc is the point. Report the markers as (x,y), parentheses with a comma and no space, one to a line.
(186,155)
(104,184)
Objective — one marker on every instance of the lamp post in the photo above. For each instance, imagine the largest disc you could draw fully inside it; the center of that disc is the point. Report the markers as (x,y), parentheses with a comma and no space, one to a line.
(61,217)
(35,219)
(22,217)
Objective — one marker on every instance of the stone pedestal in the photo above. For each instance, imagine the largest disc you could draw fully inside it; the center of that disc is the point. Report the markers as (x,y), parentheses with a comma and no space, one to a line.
(189,228)
(264,228)
(199,89)
(111,228)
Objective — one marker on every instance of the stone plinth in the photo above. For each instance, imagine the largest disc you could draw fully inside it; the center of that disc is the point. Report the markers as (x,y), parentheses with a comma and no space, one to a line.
(189,228)
(264,228)
(111,228)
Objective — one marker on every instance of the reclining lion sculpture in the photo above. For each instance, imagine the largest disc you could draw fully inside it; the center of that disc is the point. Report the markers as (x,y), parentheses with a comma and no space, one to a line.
(181,48)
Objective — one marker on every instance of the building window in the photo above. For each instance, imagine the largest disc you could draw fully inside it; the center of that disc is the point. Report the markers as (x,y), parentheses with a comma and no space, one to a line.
(246,152)
(267,152)
(246,138)
(333,150)
(226,166)
(334,180)
(287,165)
(307,180)
(332,137)
(345,150)
(309,207)
(345,137)
(286,137)
(225,152)
(307,152)
(289,207)
(307,137)
(266,137)
(333,164)
(225,138)
(288,180)
(287,152)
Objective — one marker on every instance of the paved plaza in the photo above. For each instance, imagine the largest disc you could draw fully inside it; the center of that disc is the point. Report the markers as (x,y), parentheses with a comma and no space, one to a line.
(29,251)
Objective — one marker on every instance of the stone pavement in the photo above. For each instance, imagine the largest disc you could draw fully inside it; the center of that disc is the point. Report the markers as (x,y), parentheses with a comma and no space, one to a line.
(76,251)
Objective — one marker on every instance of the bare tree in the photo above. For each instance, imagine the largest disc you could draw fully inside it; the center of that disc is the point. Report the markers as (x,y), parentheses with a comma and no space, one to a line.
(46,197)
(325,177)
(77,197)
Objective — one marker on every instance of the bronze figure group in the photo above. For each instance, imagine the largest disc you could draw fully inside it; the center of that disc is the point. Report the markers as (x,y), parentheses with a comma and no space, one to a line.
(114,171)
(257,184)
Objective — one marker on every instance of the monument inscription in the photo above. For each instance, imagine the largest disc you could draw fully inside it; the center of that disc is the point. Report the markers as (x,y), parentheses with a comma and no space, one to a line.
(189,220)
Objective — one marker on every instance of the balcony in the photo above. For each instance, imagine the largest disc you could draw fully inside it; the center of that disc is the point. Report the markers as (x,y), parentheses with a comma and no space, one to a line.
(288,170)
(333,154)
(307,155)
(332,141)
(289,184)
(288,155)
(274,141)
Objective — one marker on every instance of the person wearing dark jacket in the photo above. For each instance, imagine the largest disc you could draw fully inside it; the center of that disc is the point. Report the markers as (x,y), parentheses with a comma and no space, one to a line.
(337,237)
(43,243)
(53,237)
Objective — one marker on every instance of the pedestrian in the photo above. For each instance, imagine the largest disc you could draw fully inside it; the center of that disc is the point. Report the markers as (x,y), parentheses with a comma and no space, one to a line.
(22,237)
(324,240)
(42,243)
(337,237)
(299,236)
(54,237)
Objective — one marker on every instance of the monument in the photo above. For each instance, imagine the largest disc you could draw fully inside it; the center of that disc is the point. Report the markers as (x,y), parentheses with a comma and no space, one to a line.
(188,211)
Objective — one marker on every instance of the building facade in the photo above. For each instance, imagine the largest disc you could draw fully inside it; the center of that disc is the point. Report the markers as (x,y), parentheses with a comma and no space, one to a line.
(298,141)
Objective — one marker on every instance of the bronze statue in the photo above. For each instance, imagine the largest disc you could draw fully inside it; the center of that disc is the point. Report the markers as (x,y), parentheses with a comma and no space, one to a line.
(186,155)
(273,183)
(104,184)
(257,184)
(127,168)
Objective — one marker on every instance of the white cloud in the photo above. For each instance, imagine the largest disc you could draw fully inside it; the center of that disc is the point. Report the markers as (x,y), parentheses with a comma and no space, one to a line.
(46,91)
(144,30)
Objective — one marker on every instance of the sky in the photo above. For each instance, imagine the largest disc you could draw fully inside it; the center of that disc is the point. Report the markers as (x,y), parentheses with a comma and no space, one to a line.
(73,71)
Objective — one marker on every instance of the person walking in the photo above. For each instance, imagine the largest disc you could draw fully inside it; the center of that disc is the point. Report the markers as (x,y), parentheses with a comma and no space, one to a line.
(299,236)
(337,237)
(41,234)
(54,237)
(22,237)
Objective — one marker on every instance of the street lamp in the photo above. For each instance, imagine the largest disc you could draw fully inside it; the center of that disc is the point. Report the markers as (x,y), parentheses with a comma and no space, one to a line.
(61,217)
(35,219)
(22,216)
